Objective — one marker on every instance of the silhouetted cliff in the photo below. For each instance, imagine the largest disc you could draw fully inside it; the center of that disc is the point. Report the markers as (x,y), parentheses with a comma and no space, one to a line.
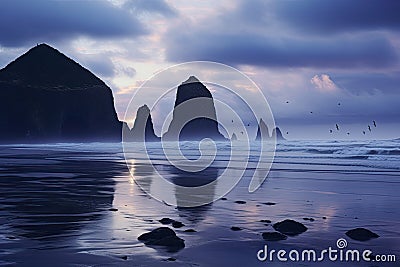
(194,116)
(47,97)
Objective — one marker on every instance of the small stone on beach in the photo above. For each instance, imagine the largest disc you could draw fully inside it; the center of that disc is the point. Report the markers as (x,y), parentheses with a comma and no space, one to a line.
(166,221)
(240,202)
(164,237)
(361,234)
(290,227)
(273,236)
(177,224)
(269,203)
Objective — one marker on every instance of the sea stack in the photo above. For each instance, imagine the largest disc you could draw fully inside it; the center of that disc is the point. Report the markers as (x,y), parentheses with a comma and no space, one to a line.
(234,137)
(47,97)
(262,131)
(194,115)
(142,129)
(278,134)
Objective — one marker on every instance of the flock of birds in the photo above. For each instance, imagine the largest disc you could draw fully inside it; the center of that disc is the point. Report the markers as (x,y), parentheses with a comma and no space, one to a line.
(348,133)
(338,128)
(336,125)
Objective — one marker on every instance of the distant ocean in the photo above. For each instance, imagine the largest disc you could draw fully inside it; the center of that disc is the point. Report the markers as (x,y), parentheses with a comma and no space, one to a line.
(76,205)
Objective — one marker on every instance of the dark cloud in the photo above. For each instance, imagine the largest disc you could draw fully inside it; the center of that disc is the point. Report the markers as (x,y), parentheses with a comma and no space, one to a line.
(322,16)
(151,6)
(25,22)
(271,34)
(369,82)
(258,49)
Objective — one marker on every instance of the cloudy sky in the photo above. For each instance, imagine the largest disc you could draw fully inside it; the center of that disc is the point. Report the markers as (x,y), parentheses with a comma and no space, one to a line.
(317,62)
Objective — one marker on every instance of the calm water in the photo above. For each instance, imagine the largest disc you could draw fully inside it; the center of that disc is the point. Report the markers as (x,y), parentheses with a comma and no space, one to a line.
(55,201)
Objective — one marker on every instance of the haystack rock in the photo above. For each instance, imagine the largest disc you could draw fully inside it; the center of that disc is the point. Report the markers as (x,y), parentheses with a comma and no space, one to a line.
(194,116)
(47,97)
(142,129)
(262,131)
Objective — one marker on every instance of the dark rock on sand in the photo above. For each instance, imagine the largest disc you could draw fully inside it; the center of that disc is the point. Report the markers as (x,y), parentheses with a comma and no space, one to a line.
(269,203)
(171,259)
(308,219)
(290,227)
(190,231)
(113,209)
(235,228)
(324,217)
(164,237)
(166,221)
(224,198)
(177,224)
(265,221)
(361,234)
(273,236)
(240,202)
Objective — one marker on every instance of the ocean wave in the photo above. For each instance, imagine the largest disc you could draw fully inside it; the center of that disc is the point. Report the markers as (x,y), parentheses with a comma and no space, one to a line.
(394,152)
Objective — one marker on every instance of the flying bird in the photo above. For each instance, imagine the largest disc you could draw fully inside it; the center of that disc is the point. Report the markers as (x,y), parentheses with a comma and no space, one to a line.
(363,132)
(374,123)
(348,133)
(287,132)
(311,112)
(337,127)
(369,128)
(330,131)
(338,104)
(287,102)
(232,121)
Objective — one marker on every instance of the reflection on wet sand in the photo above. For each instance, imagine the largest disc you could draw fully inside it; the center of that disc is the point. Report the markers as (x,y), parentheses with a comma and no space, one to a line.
(145,175)
(51,194)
